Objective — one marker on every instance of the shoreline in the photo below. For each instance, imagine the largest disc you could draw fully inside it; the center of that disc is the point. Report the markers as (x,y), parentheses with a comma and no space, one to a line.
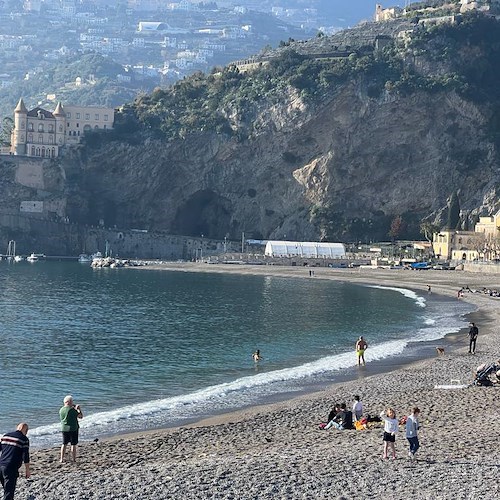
(217,451)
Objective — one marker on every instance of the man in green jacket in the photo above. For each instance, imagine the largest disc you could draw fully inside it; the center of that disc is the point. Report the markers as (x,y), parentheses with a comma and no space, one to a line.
(69,415)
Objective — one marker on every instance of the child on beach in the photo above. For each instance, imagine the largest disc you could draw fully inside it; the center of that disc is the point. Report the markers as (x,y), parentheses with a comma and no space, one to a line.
(357,409)
(390,429)
(412,426)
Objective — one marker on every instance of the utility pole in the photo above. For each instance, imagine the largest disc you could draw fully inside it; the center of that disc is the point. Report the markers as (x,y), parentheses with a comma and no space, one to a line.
(242,242)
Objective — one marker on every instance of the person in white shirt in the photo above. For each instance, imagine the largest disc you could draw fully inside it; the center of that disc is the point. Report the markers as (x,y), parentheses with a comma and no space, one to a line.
(357,409)
(390,429)
(412,426)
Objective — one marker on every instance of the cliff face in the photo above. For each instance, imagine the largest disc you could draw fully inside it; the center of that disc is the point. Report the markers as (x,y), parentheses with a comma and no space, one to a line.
(355,158)
(339,162)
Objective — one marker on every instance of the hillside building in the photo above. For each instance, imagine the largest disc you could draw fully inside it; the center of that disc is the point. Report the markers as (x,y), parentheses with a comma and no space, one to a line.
(483,242)
(43,133)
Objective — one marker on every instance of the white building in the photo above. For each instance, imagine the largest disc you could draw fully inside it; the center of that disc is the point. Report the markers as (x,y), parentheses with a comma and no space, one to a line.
(305,249)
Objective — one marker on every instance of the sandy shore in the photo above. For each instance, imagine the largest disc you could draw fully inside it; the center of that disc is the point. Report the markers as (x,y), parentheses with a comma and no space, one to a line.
(278,451)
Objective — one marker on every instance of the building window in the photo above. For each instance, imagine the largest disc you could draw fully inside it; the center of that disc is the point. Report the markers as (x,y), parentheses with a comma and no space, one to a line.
(40,139)
(87,116)
(97,116)
(51,128)
(30,127)
(30,137)
(33,152)
(22,124)
(105,118)
(78,116)
(40,127)
(105,127)
(68,115)
(53,152)
(60,128)
(51,139)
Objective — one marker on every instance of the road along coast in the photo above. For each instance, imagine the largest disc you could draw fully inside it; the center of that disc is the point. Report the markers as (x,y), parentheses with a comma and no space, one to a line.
(279,451)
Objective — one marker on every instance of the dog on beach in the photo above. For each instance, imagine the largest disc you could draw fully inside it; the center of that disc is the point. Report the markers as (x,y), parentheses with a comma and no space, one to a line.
(440,351)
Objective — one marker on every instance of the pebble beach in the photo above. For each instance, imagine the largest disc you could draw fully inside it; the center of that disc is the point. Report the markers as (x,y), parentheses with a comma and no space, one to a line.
(279,451)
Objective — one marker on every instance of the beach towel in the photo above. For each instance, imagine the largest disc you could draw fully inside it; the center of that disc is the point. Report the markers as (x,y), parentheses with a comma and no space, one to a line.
(452,386)
(359,425)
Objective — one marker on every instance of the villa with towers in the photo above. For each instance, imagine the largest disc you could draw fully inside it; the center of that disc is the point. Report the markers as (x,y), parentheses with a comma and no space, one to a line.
(42,133)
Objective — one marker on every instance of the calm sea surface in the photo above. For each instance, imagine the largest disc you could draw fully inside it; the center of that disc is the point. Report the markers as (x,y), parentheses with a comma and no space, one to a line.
(143,349)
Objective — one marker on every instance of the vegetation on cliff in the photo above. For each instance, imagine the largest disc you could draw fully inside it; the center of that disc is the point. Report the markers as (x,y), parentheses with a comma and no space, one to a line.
(438,59)
(227,101)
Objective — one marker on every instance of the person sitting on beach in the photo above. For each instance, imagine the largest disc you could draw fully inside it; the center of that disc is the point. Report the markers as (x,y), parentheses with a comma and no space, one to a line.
(331,416)
(343,419)
(361,346)
(357,408)
(256,356)
(390,429)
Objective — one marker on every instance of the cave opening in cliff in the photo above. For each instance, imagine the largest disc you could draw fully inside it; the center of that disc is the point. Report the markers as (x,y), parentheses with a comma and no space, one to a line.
(204,213)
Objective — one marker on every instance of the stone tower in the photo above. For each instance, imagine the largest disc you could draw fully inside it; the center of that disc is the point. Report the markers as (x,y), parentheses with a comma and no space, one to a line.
(60,116)
(18,138)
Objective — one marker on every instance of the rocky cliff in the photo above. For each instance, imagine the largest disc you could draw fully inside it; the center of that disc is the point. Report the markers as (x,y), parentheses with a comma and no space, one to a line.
(336,164)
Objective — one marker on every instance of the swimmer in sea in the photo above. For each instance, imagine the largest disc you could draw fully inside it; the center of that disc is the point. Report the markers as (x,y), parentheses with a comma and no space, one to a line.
(361,346)
(256,356)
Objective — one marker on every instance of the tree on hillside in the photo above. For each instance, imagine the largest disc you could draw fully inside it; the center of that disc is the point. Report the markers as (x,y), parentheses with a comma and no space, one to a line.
(397,227)
(453,211)
(427,229)
(5,130)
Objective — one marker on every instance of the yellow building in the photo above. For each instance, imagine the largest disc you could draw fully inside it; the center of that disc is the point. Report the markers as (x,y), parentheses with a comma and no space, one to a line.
(43,133)
(483,242)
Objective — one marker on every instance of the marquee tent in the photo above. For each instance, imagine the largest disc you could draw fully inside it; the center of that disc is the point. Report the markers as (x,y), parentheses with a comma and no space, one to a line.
(305,249)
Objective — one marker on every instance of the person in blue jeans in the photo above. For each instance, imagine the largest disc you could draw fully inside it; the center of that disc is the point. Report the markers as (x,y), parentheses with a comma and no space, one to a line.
(412,427)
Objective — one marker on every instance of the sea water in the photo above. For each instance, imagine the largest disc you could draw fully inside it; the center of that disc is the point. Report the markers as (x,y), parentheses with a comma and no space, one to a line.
(142,349)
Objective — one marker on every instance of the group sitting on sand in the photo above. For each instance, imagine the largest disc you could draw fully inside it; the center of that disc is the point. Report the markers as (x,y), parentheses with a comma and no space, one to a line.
(343,419)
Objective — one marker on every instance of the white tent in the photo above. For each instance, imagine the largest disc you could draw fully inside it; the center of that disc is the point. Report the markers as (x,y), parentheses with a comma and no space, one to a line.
(304,249)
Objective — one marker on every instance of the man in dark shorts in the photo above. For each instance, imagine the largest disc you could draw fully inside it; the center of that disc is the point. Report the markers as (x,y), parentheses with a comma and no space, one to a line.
(69,415)
(473,333)
(15,450)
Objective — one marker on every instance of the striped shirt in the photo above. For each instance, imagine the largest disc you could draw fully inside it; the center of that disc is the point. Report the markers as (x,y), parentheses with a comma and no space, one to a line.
(14,447)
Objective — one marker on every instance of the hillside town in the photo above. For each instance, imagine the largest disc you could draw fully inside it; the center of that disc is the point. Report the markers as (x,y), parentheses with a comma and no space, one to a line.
(155,42)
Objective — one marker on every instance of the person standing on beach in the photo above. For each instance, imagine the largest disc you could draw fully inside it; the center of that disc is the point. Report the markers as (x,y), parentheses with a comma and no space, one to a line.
(357,409)
(390,429)
(473,333)
(69,415)
(361,346)
(14,448)
(412,427)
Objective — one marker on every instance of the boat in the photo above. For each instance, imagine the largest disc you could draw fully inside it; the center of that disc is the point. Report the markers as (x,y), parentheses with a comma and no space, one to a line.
(18,258)
(84,258)
(32,258)
(11,250)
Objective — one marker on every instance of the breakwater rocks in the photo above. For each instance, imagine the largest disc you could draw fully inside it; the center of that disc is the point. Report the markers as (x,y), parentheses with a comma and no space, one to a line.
(113,263)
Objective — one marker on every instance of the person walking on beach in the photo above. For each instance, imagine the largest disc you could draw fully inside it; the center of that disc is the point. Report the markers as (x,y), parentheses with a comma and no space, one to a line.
(14,448)
(69,415)
(473,333)
(390,429)
(357,409)
(361,346)
(412,427)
